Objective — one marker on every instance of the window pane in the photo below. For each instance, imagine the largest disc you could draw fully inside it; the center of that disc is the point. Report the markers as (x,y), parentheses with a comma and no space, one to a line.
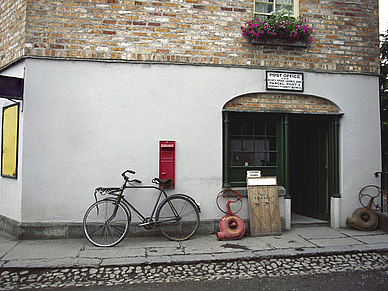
(260,145)
(290,2)
(235,128)
(269,6)
(235,144)
(285,7)
(272,143)
(248,128)
(263,8)
(248,159)
(248,145)
(271,128)
(272,159)
(260,159)
(260,128)
(235,159)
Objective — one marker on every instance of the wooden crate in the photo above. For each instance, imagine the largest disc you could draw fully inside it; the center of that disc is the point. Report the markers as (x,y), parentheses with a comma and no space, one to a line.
(263,206)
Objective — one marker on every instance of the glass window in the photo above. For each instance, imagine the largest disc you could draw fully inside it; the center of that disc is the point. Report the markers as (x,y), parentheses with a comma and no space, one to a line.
(253,143)
(266,7)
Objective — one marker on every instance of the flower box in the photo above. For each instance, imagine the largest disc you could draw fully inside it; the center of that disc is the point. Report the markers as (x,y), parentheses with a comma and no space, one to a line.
(278,29)
(278,42)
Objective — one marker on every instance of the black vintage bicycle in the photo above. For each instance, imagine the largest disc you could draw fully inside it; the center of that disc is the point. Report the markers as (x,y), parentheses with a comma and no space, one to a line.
(107,221)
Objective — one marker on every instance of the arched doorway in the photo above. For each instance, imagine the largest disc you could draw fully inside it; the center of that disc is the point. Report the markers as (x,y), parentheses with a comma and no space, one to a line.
(291,136)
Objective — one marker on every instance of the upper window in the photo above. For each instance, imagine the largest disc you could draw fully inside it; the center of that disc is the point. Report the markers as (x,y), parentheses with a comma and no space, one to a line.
(267,7)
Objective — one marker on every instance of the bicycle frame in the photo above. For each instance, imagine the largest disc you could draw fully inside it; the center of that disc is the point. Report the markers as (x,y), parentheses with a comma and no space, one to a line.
(175,215)
(128,205)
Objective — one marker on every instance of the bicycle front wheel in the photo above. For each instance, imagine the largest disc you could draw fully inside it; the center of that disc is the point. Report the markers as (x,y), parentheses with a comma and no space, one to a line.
(177,218)
(105,223)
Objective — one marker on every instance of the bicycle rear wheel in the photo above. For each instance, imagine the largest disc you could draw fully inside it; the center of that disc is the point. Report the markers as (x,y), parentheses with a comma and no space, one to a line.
(105,223)
(178,218)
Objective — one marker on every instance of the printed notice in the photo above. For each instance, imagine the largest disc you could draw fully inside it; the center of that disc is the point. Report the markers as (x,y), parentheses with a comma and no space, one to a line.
(287,81)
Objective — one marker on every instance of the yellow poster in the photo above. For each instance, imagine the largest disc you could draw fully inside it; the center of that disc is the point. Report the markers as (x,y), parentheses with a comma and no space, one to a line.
(10,141)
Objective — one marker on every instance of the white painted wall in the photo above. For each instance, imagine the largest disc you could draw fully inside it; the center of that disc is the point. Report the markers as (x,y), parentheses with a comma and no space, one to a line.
(86,122)
(11,189)
(360,138)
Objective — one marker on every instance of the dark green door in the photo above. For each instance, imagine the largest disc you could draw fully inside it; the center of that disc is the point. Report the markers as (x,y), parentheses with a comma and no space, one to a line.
(308,154)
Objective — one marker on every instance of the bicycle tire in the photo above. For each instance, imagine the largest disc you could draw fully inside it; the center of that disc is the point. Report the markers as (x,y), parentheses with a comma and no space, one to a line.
(183,227)
(103,229)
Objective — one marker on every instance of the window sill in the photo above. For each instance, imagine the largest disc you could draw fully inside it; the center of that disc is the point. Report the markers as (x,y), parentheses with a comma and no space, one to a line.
(243,191)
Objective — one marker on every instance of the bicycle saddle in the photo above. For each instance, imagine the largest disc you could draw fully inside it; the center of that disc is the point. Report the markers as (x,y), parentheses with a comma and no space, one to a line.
(161,181)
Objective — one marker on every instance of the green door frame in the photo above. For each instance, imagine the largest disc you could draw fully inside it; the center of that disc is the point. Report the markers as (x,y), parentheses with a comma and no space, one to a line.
(277,170)
(284,149)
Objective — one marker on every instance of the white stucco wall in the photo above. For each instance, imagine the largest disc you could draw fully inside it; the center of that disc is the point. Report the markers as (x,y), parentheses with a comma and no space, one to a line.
(11,189)
(86,122)
(360,139)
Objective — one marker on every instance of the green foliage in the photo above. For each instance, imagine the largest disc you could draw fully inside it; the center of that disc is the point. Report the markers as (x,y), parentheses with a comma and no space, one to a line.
(384,95)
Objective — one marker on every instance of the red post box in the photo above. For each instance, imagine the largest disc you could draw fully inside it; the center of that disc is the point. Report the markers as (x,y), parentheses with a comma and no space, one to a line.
(167,161)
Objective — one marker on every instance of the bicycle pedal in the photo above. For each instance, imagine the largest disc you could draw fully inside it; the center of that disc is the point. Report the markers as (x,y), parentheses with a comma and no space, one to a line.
(144,224)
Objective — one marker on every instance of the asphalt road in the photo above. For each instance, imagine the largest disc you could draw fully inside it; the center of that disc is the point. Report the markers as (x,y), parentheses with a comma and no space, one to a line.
(354,281)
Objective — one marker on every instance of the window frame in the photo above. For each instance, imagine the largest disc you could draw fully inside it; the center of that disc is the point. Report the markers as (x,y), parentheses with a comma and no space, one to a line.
(234,175)
(295,7)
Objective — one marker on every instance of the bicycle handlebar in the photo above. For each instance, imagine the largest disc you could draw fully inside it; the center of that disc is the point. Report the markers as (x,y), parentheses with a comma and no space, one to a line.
(127,178)
(377,173)
(128,171)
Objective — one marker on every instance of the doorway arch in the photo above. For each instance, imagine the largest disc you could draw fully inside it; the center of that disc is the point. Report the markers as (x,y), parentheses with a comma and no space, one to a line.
(284,134)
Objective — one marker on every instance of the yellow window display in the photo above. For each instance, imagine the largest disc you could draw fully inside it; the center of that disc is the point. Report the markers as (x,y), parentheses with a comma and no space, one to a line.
(9,156)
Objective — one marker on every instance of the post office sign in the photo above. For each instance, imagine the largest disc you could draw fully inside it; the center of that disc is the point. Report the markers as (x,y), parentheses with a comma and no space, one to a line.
(285,81)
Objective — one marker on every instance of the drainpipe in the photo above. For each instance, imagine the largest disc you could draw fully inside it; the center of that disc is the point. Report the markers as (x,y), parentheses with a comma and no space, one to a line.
(335,215)
(336,189)
(286,156)
(226,151)
(287,200)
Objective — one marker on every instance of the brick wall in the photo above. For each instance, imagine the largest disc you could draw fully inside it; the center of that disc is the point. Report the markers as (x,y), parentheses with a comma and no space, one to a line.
(12,30)
(199,32)
(267,102)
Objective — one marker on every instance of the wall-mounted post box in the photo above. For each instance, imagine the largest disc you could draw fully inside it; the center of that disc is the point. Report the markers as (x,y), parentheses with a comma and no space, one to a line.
(167,161)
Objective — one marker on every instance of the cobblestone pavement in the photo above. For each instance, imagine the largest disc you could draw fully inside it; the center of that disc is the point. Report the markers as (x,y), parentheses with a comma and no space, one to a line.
(115,276)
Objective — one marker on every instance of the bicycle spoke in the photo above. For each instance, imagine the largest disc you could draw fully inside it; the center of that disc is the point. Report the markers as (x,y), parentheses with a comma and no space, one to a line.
(178,218)
(107,227)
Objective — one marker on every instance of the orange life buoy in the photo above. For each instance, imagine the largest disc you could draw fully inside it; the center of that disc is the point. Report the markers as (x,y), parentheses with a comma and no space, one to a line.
(231,227)
(363,219)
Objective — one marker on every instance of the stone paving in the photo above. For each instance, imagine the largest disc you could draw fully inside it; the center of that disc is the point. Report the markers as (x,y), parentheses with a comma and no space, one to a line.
(76,263)
(164,273)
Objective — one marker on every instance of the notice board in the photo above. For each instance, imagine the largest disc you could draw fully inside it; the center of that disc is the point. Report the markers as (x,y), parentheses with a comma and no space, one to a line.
(263,206)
